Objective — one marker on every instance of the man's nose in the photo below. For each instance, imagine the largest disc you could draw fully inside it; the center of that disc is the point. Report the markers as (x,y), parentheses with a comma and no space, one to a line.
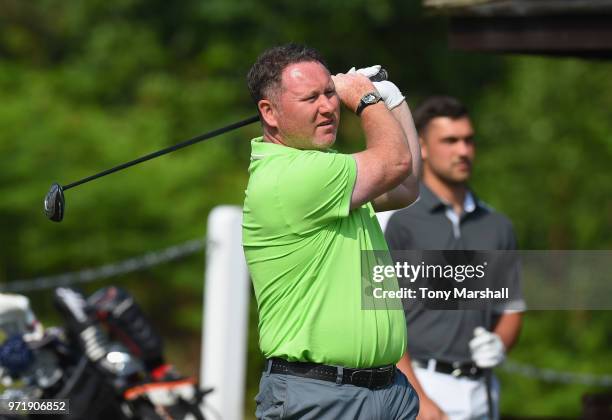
(326,104)
(464,147)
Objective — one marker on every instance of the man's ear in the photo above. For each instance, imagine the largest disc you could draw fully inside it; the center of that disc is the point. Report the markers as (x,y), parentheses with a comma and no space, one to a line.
(268,112)
(423,144)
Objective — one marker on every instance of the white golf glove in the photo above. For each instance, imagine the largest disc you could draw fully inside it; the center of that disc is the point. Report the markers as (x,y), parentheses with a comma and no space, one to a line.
(387,90)
(487,348)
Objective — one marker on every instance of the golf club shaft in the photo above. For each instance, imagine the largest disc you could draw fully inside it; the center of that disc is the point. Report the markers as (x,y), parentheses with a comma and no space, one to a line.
(489,388)
(381,75)
(161,152)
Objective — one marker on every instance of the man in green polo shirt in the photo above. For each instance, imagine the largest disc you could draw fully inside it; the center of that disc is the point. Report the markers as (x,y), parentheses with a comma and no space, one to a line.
(308,215)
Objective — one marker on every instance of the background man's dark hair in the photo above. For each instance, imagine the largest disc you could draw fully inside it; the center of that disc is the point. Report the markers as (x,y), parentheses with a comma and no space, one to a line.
(438,106)
(267,70)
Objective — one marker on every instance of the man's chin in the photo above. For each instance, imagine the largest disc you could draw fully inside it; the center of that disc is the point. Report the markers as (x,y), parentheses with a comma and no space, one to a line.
(324,143)
(457,178)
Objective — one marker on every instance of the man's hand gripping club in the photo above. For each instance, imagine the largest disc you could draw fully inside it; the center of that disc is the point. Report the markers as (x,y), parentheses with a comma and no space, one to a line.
(487,348)
(388,91)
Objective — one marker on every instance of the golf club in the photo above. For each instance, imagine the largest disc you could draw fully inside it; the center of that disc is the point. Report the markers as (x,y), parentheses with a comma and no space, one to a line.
(489,385)
(55,203)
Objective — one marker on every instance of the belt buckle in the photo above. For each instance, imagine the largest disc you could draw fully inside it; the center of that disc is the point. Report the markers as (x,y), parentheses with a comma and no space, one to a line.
(370,371)
(456,369)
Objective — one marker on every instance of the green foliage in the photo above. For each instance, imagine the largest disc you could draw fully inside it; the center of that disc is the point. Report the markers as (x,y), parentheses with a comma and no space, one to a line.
(87,85)
(545,135)
(577,342)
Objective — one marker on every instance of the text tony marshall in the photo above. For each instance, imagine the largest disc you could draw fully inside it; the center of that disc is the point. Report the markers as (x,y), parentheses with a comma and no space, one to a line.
(426,293)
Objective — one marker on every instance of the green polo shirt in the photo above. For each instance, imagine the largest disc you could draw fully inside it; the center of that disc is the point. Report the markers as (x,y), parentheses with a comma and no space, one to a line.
(303,246)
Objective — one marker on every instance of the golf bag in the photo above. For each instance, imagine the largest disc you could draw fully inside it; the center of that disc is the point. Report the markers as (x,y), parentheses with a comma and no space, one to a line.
(106,360)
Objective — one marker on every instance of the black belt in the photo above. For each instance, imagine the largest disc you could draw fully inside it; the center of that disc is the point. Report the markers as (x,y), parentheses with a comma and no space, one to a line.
(456,369)
(373,378)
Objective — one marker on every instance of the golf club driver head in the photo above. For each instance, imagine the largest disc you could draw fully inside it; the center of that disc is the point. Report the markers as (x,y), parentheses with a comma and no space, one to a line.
(54,203)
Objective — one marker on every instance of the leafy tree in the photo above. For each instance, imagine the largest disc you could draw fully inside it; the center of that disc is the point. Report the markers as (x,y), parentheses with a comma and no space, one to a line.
(87,85)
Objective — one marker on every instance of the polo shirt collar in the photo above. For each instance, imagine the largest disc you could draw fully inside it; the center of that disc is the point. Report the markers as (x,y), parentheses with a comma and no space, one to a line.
(432,202)
(261,148)
(469,203)
(429,199)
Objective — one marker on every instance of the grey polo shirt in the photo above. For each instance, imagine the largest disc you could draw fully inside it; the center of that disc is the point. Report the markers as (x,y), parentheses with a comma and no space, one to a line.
(431,224)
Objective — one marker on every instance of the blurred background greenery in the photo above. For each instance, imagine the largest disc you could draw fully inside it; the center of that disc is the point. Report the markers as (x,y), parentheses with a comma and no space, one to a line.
(87,85)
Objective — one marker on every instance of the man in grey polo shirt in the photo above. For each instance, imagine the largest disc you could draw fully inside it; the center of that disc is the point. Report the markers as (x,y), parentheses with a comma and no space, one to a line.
(447,349)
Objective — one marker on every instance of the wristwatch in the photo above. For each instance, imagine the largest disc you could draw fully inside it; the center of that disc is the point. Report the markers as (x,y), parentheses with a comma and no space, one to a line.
(368,99)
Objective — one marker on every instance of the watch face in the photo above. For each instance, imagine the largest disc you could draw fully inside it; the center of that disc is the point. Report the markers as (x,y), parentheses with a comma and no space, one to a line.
(370,98)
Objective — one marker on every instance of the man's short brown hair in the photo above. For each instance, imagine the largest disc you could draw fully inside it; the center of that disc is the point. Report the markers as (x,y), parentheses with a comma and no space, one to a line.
(438,106)
(268,68)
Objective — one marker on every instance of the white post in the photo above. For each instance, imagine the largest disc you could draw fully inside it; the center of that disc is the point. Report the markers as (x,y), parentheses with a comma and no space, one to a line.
(225,316)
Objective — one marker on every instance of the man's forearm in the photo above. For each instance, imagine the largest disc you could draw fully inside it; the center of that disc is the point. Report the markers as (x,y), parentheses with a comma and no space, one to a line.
(386,162)
(403,115)
(408,190)
(508,328)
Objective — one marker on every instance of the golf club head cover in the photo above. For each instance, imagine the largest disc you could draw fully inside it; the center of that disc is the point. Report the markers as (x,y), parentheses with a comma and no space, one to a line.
(77,315)
(118,310)
(15,355)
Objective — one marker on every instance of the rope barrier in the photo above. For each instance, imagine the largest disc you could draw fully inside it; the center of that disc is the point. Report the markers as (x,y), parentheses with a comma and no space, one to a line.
(550,375)
(87,275)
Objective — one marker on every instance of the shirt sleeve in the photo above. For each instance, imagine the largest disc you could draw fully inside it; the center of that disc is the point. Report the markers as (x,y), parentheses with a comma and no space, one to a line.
(316,189)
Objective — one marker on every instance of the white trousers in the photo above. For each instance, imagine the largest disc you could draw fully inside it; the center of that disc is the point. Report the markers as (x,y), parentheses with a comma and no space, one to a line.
(460,398)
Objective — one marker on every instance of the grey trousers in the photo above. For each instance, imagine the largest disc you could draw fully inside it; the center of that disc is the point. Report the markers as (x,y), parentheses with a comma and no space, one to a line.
(293,397)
